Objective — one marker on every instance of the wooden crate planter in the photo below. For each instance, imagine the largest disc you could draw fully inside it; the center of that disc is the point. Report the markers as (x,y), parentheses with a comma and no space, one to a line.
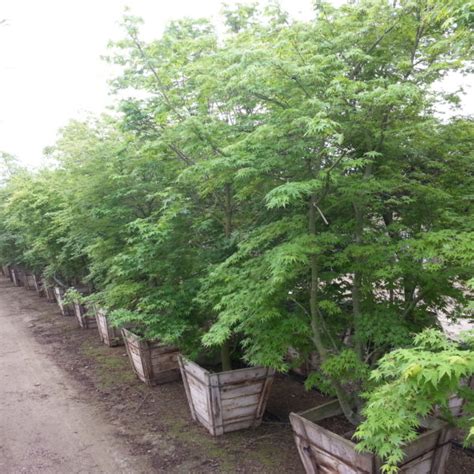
(108,334)
(152,361)
(84,317)
(66,309)
(226,401)
(322,451)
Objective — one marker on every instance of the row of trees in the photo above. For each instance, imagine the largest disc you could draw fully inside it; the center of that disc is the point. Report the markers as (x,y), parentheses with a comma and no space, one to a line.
(285,184)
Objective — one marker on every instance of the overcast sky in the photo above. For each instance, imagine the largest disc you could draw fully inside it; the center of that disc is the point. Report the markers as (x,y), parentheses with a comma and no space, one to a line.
(50,66)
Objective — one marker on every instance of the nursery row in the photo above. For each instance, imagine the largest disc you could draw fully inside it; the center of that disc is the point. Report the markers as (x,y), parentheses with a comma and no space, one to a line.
(279,195)
(234,400)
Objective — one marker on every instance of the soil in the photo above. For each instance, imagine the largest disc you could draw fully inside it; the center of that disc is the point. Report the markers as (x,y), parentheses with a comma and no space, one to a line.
(68,403)
(338,425)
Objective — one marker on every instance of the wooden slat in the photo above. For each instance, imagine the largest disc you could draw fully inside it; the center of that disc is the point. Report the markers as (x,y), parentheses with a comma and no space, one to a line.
(127,348)
(195,370)
(200,404)
(164,366)
(237,413)
(158,351)
(305,449)
(199,387)
(440,459)
(230,403)
(204,421)
(420,465)
(267,385)
(38,285)
(109,335)
(15,277)
(66,310)
(242,375)
(100,327)
(137,365)
(241,390)
(217,412)
(184,376)
(159,347)
(239,424)
(326,410)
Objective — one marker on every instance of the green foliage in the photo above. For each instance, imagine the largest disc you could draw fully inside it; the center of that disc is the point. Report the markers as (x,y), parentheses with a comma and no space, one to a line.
(284,184)
(73,296)
(410,383)
(345,366)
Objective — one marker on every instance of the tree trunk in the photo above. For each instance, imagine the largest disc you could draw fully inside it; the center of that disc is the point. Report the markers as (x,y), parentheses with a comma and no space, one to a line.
(316,323)
(225,356)
(225,348)
(357,281)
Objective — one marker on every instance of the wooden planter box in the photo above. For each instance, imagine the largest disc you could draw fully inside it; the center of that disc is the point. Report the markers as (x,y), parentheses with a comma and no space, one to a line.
(226,401)
(66,309)
(83,316)
(152,361)
(108,334)
(322,451)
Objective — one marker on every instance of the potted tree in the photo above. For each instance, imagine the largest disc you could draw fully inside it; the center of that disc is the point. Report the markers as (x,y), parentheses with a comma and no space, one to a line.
(153,360)
(178,243)
(397,431)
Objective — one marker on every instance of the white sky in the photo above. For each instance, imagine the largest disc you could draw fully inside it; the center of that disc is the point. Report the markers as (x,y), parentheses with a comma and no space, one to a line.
(50,66)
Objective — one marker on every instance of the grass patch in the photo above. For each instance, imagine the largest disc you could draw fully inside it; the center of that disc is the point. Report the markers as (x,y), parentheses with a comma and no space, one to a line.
(112,369)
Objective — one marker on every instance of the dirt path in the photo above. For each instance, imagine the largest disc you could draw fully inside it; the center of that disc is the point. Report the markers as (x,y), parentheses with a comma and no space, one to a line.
(44,426)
